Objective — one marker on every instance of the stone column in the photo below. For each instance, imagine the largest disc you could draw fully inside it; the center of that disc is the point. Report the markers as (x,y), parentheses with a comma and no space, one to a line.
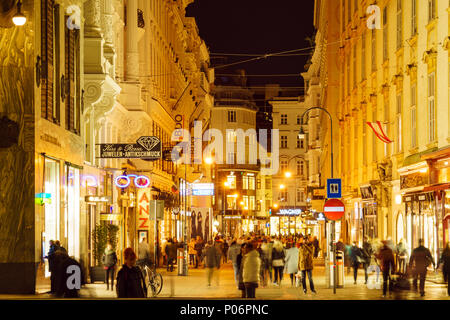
(92,16)
(132,55)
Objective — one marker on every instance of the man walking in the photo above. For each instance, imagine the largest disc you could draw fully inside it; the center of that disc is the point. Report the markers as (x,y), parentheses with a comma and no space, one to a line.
(420,260)
(212,260)
(305,263)
(199,248)
(367,252)
(233,252)
(386,257)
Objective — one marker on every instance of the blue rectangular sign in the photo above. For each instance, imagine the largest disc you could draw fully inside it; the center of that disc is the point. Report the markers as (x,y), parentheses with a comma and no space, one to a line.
(334,188)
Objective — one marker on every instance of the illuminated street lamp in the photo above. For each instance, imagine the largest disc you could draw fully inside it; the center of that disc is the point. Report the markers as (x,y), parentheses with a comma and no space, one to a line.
(275,205)
(288,174)
(282,186)
(209,160)
(19,18)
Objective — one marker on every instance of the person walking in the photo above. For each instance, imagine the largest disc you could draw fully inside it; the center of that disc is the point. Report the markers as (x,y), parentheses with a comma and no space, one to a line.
(316,247)
(212,260)
(251,270)
(356,259)
(239,262)
(109,260)
(420,260)
(163,251)
(192,252)
(233,251)
(199,245)
(225,251)
(143,253)
(291,261)
(386,257)
(445,260)
(51,264)
(130,281)
(171,253)
(65,274)
(367,253)
(278,261)
(401,255)
(305,263)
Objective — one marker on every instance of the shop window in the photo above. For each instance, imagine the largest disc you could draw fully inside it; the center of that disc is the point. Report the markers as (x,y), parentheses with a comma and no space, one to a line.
(231,182)
(400,228)
(251,183)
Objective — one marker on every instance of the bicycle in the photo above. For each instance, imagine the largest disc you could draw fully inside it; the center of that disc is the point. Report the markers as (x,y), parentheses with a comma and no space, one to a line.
(153,280)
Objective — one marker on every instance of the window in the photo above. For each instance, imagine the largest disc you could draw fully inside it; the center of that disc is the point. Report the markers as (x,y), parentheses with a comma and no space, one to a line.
(399,24)
(399,123)
(413,17)
(258,184)
(245,182)
(431,10)
(231,116)
(431,108)
(298,120)
(283,142)
(231,182)
(283,165)
(251,204)
(385,34)
(72,85)
(231,202)
(363,57)
(283,196)
(245,200)
(251,183)
(231,158)
(300,143)
(284,119)
(300,168)
(413,117)
(300,195)
(268,184)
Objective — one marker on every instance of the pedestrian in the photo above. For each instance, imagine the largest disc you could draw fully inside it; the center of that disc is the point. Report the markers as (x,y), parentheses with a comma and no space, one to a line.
(305,263)
(239,262)
(212,261)
(59,247)
(130,281)
(69,275)
(386,257)
(192,252)
(224,251)
(171,253)
(278,261)
(109,260)
(445,260)
(163,250)
(367,252)
(420,260)
(316,247)
(251,270)
(291,261)
(143,253)
(51,264)
(356,259)
(233,251)
(401,255)
(199,245)
(265,262)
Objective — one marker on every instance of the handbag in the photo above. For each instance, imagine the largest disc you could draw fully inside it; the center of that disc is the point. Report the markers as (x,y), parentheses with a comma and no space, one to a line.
(298,279)
(277,263)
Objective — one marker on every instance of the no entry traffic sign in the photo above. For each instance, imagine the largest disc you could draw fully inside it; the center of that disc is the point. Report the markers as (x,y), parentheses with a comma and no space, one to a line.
(334,209)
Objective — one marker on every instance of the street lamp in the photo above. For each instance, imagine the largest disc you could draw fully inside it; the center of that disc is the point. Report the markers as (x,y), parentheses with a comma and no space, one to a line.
(19,18)
(301,135)
(288,174)
(282,186)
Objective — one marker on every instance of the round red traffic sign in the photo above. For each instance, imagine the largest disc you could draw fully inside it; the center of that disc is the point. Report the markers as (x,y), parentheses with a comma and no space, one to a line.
(333,209)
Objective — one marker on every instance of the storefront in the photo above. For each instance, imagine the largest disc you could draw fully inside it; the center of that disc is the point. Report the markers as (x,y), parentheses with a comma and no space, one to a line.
(369,210)
(288,221)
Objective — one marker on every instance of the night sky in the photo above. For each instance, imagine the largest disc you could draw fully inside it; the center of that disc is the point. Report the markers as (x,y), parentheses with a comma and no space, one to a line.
(256,27)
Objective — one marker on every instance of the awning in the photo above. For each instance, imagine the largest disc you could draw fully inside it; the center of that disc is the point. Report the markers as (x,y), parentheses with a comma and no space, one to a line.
(437,187)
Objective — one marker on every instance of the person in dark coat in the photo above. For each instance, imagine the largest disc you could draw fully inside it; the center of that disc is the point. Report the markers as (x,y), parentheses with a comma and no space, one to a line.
(171,252)
(316,247)
(130,281)
(240,264)
(420,260)
(356,259)
(51,263)
(387,264)
(367,253)
(211,256)
(445,260)
(69,274)
(199,245)
(109,260)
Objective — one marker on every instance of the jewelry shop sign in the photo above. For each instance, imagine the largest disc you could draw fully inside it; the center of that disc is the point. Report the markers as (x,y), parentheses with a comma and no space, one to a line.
(147,147)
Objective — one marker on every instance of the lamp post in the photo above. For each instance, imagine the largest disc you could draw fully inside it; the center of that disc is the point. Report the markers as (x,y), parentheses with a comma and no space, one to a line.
(302,135)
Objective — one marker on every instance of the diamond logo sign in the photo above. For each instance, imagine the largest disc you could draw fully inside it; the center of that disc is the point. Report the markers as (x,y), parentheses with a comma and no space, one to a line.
(148,142)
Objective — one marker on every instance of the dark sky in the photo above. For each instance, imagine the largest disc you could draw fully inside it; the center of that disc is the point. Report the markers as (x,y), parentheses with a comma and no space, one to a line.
(257,27)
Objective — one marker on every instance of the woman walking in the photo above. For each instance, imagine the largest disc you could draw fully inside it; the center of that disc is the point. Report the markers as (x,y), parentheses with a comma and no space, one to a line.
(250,271)
(109,263)
(278,261)
(291,264)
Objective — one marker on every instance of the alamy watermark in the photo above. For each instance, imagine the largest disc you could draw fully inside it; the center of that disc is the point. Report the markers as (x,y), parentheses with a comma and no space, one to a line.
(374,20)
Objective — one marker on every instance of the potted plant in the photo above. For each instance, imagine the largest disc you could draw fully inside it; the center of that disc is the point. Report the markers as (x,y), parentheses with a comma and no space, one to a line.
(100,238)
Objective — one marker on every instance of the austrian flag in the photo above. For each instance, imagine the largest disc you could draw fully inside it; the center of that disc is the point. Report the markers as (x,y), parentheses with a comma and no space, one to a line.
(380,135)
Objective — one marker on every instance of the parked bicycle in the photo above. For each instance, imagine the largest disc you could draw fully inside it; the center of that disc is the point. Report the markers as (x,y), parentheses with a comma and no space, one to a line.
(153,279)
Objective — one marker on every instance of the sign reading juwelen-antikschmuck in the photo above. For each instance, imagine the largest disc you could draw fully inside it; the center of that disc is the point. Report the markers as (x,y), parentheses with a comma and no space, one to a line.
(148,148)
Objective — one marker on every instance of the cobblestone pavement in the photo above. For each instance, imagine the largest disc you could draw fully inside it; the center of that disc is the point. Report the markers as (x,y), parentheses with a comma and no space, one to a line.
(194,286)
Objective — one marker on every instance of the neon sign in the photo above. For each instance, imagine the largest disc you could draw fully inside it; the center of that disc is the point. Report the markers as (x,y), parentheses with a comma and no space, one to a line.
(89,180)
(124,181)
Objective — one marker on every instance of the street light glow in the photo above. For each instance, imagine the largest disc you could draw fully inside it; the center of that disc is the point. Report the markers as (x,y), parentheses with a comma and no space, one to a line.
(208,160)
(288,174)
(301,134)
(282,186)
(19,19)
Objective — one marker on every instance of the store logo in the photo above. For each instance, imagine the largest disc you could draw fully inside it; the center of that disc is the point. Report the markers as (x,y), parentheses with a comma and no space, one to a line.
(374,20)
(74,19)
(74,280)
(124,181)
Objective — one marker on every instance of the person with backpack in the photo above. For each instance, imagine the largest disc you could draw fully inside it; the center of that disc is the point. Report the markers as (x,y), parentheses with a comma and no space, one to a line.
(109,260)
(130,281)
(356,259)
(420,260)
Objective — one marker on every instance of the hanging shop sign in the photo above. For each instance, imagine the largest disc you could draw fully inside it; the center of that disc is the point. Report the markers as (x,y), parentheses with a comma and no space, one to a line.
(316,193)
(290,212)
(142,219)
(179,127)
(156,208)
(97,199)
(110,217)
(203,189)
(147,147)
(124,181)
